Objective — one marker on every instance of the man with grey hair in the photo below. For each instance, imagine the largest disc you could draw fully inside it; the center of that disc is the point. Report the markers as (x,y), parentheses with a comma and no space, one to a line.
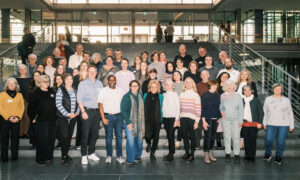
(31,66)
(76,58)
(186,58)
(118,58)
(221,63)
(56,56)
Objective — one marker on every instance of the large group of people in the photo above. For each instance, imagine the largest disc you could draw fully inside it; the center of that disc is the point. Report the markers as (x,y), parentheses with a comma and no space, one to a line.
(66,98)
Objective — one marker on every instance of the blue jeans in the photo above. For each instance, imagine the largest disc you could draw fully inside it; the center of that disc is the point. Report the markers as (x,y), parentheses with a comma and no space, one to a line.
(278,132)
(115,124)
(134,146)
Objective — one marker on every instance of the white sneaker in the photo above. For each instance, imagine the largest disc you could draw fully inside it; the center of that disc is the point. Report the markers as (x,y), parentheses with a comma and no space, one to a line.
(120,160)
(93,157)
(84,160)
(108,160)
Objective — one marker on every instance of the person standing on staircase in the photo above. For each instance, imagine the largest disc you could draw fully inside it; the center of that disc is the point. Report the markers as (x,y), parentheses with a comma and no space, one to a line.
(201,59)
(186,58)
(28,42)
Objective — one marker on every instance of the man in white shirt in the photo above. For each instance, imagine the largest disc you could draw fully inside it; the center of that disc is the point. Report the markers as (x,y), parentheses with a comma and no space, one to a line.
(109,102)
(75,59)
(234,74)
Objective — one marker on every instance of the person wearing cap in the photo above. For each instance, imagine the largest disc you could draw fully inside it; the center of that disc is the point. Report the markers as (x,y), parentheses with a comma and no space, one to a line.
(278,121)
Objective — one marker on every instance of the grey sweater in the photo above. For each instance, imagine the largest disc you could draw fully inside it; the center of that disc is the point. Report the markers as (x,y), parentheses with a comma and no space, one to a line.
(278,112)
(213,72)
(232,106)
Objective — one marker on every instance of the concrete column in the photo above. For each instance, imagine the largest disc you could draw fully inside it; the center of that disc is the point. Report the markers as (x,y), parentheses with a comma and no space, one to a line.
(283,22)
(27,22)
(238,22)
(5,25)
(132,28)
(258,18)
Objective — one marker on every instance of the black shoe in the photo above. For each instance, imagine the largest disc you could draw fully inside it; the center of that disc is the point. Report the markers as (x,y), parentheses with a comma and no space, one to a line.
(33,147)
(190,159)
(278,160)
(152,156)
(14,158)
(41,163)
(219,144)
(237,159)
(268,158)
(169,157)
(227,158)
(57,147)
(64,160)
(184,157)
(69,159)
(4,159)
(148,148)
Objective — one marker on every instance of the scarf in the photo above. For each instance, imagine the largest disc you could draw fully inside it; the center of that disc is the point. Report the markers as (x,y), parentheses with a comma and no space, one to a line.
(137,116)
(247,109)
(12,94)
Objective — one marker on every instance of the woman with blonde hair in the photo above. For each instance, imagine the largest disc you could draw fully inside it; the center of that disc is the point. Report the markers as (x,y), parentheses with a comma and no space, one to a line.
(190,113)
(245,79)
(153,102)
(82,74)
(11,111)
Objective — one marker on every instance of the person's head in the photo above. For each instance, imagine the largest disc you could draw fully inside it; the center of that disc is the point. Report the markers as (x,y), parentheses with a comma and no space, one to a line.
(58,80)
(36,75)
(170,67)
(177,77)
(144,66)
(152,73)
(48,61)
(40,68)
(228,63)
(229,86)
(68,80)
(179,63)
(224,76)
(137,60)
(109,52)
(154,86)
(92,72)
(169,85)
(112,81)
(22,69)
(223,55)
(277,89)
(118,55)
(182,49)
(32,59)
(43,82)
(75,72)
(213,86)
(61,37)
(63,61)
(124,64)
(96,58)
(204,76)
(189,84)
(86,56)
(202,52)
(193,66)
(83,66)
(154,56)
(11,84)
(60,69)
(26,30)
(56,52)
(144,55)
(162,55)
(79,48)
(134,86)
(247,90)
(244,77)
(208,61)
(109,61)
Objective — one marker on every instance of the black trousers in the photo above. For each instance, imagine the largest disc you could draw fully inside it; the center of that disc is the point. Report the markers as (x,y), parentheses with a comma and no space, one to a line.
(250,136)
(170,38)
(152,134)
(32,135)
(198,134)
(90,131)
(179,137)
(210,134)
(14,130)
(188,133)
(78,132)
(169,126)
(66,128)
(45,136)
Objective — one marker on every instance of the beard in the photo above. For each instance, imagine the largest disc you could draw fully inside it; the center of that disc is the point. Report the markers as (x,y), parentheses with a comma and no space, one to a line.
(112,85)
(228,67)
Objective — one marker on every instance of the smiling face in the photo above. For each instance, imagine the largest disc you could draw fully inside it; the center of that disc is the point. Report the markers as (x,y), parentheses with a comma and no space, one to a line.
(49,62)
(170,67)
(189,84)
(124,65)
(182,50)
(247,91)
(277,91)
(69,81)
(134,87)
(11,85)
(176,76)
(153,88)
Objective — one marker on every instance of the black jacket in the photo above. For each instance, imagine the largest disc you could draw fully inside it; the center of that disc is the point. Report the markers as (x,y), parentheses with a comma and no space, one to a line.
(257,112)
(28,40)
(66,101)
(145,86)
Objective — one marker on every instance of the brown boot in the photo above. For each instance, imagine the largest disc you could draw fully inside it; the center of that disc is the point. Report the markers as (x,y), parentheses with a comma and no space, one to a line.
(206,158)
(211,157)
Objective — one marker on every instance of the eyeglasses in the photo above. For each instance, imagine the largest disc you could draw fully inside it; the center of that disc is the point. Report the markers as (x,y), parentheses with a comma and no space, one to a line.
(46,82)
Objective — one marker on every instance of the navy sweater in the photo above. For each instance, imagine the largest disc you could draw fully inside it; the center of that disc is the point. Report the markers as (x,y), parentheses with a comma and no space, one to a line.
(210,103)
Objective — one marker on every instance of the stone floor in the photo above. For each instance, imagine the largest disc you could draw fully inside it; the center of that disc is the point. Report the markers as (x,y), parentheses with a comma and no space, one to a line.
(26,168)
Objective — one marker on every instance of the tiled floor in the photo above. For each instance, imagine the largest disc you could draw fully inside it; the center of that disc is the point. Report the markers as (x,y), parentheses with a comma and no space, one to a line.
(26,168)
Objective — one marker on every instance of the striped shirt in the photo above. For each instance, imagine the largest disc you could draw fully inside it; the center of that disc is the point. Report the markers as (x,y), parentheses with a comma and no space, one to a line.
(59,106)
(190,105)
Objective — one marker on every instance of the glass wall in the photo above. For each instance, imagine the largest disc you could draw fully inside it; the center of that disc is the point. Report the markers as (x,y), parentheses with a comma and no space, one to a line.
(133,1)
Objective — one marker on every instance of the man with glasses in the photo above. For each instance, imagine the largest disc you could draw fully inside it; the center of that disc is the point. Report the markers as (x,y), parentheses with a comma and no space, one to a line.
(88,90)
